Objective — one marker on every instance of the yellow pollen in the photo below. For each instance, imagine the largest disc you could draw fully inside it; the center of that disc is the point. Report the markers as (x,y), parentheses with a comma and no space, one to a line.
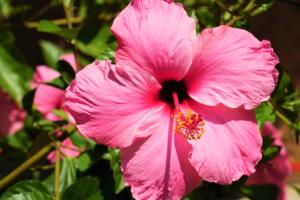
(190,125)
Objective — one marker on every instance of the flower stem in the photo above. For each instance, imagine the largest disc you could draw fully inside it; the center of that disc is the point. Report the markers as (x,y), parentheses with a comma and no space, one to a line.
(24,166)
(57,172)
(280,115)
(74,20)
(68,9)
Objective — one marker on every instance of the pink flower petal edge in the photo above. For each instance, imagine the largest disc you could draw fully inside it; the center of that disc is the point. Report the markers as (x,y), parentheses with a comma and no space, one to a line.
(116,113)
(225,153)
(166,50)
(231,67)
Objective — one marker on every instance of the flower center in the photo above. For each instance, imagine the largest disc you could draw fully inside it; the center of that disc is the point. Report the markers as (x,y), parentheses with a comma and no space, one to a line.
(168,87)
(190,125)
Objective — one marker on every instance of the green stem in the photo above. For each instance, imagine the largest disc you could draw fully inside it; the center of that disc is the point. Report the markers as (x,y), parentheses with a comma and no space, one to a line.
(59,22)
(69,15)
(57,172)
(24,166)
(280,115)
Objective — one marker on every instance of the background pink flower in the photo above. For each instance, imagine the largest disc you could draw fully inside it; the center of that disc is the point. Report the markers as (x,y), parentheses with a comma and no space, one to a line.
(48,98)
(11,116)
(177,105)
(276,170)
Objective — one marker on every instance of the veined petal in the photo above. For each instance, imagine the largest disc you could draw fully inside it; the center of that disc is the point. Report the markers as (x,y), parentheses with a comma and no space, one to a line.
(112,105)
(155,35)
(230,146)
(157,167)
(232,67)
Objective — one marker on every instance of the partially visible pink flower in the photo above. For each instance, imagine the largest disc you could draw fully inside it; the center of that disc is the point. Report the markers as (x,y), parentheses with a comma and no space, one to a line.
(70,58)
(67,149)
(48,98)
(276,170)
(11,116)
(179,106)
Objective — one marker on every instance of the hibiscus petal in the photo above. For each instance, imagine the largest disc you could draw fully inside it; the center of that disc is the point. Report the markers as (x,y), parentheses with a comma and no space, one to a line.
(43,74)
(230,146)
(70,58)
(231,67)
(110,105)
(11,116)
(155,35)
(157,167)
(48,98)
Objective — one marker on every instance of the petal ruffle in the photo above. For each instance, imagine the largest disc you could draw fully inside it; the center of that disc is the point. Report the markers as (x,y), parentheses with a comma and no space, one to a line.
(111,105)
(230,146)
(157,167)
(155,35)
(231,67)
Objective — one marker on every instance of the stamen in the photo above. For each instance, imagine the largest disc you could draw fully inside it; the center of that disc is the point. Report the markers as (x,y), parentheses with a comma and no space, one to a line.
(190,125)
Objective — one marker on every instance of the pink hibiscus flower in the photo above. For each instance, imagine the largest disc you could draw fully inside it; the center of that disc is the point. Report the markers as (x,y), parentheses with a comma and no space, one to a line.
(11,116)
(48,98)
(179,106)
(276,170)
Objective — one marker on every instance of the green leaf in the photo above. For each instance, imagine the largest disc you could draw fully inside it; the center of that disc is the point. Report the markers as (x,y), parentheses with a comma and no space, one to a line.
(86,188)
(270,150)
(19,140)
(15,74)
(49,27)
(84,161)
(67,73)
(68,174)
(113,155)
(5,8)
(58,83)
(27,101)
(264,113)
(284,86)
(93,40)
(51,52)
(261,192)
(27,190)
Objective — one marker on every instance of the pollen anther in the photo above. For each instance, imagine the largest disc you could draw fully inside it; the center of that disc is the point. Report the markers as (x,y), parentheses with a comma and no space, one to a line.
(190,125)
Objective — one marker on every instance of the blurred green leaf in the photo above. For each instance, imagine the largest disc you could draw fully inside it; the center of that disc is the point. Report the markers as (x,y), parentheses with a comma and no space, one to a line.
(264,113)
(15,74)
(84,161)
(113,155)
(27,101)
(27,190)
(58,83)
(284,86)
(67,73)
(49,27)
(19,140)
(93,39)
(5,8)
(270,150)
(68,174)
(51,52)
(261,192)
(86,188)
